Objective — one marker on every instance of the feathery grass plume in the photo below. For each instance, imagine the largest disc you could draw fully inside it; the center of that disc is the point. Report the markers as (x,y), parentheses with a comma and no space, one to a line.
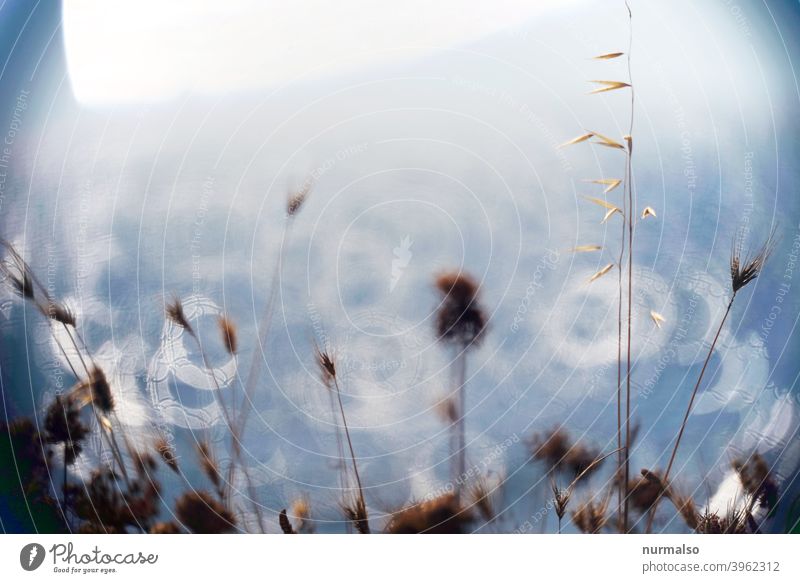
(100,390)
(301,514)
(757,480)
(284,523)
(460,319)
(745,269)
(210,468)
(560,454)
(17,272)
(201,513)
(165,528)
(480,498)
(591,517)
(327,367)
(561,498)
(167,454)
(442,515)
(296,199)
(355,510)
(228,330)
(178,317)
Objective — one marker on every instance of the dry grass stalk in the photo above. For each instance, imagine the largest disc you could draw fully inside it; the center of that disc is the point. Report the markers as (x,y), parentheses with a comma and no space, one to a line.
(356,510)
(460,322)
(742,272)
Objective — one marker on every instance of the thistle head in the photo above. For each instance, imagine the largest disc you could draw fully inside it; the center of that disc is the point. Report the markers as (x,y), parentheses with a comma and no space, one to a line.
(460,319)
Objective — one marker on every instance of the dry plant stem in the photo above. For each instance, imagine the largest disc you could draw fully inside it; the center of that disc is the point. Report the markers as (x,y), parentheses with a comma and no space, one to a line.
(630,217)
(264,326)
(460,373)
(689,411)
(339,443)
(350,445)
(235,443)
(620,455)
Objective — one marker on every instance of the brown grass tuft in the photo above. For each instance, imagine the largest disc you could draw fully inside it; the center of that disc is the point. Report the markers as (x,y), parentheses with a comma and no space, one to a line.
(201,513)
(228,330)
(178,317)
(442,515)
(560,454)
(591,517)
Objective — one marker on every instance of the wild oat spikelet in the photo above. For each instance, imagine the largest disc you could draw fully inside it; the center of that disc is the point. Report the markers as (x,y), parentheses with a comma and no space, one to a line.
(296,199)
(228,330)
(203,514)
(327,367)
(176,314)
(167,454)
(561,498)
(746,269)
(460,318)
